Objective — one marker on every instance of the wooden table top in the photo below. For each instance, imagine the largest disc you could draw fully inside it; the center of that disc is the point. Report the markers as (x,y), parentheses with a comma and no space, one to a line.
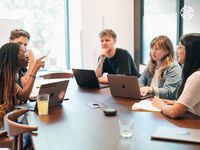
(76,126)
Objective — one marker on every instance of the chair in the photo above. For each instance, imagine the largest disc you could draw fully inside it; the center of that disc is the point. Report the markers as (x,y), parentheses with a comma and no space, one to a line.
(57,75)
(15,130)
(5,141)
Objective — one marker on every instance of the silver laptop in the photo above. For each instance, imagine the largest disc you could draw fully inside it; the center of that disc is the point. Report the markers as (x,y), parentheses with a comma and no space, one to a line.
(87,79)
(125,87)
(177,134)
(56,91)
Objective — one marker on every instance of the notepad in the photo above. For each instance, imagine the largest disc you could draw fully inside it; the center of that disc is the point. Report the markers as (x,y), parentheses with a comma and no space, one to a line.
(145,105)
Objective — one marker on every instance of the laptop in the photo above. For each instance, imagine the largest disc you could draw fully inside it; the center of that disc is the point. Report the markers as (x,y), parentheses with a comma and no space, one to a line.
(87,79)
(125,87)
(177,134)
(56,91)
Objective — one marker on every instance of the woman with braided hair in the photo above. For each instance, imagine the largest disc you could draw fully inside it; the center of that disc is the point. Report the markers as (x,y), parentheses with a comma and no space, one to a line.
(13,57)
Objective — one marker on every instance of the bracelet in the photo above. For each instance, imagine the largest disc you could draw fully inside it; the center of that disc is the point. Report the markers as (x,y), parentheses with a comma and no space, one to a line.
(31,75)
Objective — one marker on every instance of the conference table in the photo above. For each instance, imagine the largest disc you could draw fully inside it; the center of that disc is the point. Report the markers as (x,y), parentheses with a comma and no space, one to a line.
(76,126)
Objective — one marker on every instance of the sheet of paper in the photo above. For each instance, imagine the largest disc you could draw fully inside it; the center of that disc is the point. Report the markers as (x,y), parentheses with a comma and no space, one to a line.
(145,105)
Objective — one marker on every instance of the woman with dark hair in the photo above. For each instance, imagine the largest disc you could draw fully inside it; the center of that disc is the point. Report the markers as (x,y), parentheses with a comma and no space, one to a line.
(163,74)
(188,94)
(13,57)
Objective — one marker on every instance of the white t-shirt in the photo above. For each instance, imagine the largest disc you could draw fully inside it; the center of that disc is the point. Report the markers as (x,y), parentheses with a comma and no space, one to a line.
(190,96)
(155,80)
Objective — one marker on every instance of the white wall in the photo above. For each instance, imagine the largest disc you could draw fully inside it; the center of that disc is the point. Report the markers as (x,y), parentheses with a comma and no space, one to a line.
(75,33)
(8,25)
(99,14)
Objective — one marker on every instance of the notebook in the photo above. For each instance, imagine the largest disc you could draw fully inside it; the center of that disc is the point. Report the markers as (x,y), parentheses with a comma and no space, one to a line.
(56,91)
(145,105)
(125,87)
(87,78)
(177,134)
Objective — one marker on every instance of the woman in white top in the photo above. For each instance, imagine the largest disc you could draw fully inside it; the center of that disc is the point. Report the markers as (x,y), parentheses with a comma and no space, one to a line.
(188,95)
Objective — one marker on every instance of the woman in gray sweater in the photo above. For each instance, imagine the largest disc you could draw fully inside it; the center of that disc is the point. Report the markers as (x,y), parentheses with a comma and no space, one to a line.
(163,74)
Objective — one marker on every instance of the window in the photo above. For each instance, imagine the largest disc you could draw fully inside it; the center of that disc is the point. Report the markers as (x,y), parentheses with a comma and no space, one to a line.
(159,18)
(191,24)
(45,21)
(172,18)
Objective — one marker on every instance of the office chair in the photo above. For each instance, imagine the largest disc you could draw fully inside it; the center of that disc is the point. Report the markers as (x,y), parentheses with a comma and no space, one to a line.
(15,130)
(57,75)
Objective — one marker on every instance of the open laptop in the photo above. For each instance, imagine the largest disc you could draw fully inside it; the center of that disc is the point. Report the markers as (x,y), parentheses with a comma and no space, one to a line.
(87,78)
(56,91)
(177,134)
(125,87)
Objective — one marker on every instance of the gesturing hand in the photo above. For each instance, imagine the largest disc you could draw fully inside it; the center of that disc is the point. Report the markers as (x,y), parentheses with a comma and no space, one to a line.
(39,63)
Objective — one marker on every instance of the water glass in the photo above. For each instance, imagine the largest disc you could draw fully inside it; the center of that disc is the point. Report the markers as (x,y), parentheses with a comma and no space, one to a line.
(126,127)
